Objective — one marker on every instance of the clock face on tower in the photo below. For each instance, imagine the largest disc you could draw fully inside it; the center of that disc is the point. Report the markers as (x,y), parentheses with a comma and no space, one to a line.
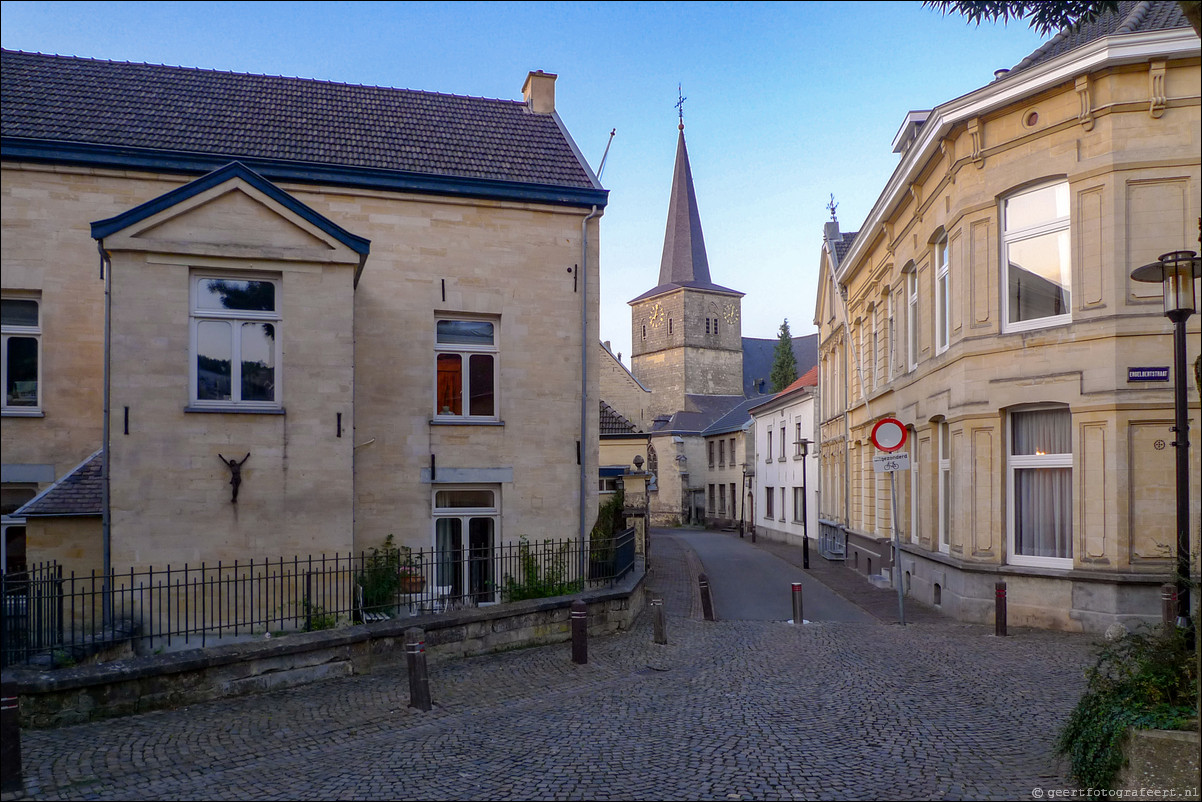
(731,313)
(657,315)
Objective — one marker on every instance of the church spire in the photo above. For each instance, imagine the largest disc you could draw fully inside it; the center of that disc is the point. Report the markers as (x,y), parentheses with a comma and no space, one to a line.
(684,260)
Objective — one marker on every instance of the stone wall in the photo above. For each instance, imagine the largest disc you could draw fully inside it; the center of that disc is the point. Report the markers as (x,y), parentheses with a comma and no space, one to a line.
(140,684)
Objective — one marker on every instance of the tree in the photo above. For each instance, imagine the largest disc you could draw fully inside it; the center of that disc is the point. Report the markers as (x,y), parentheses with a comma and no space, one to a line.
(1047,16)
(784,364)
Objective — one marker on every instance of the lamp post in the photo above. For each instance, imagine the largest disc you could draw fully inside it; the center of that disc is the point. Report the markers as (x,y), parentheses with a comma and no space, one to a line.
(804,447)
(1175,272)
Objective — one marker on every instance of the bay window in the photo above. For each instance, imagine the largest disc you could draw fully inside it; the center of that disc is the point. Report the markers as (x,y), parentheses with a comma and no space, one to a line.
(1036,261)
(1040,487)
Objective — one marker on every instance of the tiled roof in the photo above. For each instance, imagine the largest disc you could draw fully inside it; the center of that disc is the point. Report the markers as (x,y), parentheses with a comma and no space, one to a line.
(613,422)
(758,355)
(700,412)
(307,122)
(735,419)
(80,492)
(842,247)
(1131,17)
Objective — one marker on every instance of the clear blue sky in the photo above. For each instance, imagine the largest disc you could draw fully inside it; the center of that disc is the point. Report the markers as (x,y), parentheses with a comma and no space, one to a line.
(787,102)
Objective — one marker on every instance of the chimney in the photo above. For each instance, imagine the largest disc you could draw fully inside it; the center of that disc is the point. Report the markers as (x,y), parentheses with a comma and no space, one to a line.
(539,92)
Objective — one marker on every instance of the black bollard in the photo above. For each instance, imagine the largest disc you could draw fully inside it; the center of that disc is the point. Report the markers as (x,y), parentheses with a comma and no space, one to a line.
(419,679)
(798,618)
(658,623)
(1168,604)
(579,632)
(999,609)
(707,603)
(11,780)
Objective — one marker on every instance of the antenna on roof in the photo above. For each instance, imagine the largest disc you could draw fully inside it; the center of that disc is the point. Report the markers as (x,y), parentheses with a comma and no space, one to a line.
(832,206)
(601,169)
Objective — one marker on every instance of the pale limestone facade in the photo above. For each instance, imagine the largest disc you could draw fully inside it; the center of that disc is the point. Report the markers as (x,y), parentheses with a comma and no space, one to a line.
(914,324)
(781,469)
(355,450)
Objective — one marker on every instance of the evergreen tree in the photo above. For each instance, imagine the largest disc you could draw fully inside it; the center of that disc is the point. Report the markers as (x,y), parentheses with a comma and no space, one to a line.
(784,364)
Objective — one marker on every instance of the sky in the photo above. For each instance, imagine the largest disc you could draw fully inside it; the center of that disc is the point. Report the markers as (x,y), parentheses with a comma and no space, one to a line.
(786,103)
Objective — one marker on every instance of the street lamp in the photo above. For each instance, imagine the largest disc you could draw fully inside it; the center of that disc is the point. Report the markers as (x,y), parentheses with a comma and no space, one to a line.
(803,446)
(1175,272)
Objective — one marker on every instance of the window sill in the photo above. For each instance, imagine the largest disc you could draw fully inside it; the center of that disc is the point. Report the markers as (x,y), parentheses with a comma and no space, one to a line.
(23,413)
(234,410)
(781,459)
(468,422)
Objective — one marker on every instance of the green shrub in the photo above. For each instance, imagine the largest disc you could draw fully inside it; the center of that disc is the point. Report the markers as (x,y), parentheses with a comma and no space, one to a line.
(381,575)
(540,575)
(1146,680)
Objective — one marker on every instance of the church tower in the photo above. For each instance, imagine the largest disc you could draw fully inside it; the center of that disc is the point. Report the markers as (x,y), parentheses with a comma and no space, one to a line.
(686,332)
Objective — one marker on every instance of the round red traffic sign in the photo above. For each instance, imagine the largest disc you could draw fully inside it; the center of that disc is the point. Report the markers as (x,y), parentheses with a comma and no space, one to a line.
(889,434)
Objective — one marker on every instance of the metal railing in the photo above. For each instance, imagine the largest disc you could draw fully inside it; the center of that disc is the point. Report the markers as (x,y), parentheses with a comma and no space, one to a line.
(53,620)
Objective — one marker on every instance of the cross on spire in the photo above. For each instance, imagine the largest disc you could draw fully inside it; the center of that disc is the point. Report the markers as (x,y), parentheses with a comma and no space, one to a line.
(680,105)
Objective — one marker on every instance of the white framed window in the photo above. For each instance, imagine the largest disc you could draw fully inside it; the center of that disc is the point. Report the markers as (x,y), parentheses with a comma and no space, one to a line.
(945,486)
(722,499)
(236,342)
(914,486)
(768,443)
(912,320)
(466,523)
(782,504)
(781,458)
(798,505)
(21,358)
(710,450)
(769,494)
(890,336)
(466,354)
(942,297)
(1036,262)
(1039,484)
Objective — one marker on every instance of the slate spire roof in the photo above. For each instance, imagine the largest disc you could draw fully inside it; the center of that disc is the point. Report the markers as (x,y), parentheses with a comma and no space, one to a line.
(684,262)
(106,112)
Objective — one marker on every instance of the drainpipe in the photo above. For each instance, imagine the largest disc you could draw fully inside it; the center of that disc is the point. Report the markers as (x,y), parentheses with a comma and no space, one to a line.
(106,273)
(584,345)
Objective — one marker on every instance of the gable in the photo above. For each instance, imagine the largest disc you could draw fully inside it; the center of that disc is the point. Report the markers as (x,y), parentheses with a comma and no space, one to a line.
(233,218)
(232,213)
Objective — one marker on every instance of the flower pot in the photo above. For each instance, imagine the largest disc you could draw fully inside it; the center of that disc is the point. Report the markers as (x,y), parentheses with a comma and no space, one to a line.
(413,583)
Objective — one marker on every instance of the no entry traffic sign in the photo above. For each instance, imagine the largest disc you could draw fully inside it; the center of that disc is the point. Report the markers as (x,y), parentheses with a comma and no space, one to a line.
(889,434)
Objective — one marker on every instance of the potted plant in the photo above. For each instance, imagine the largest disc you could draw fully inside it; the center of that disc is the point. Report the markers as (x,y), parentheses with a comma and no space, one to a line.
(412,579)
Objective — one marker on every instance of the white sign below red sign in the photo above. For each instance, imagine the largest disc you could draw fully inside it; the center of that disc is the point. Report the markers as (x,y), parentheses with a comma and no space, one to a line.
(887,463)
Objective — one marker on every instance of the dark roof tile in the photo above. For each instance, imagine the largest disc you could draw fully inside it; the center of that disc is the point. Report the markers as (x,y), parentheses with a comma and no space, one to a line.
(80,492)
(160,108)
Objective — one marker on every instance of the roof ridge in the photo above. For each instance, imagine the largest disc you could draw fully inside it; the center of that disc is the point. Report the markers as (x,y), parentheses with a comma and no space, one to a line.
(1134,18)
(297,78)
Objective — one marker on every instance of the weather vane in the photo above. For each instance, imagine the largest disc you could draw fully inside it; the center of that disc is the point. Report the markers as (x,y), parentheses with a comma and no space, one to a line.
(832,206)
(680,104)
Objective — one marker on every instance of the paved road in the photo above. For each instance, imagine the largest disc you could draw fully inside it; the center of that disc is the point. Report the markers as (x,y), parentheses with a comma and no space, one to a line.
(751,584)
(728,710)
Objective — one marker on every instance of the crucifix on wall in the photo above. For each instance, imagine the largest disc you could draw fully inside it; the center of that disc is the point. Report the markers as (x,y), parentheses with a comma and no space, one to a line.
(235,473)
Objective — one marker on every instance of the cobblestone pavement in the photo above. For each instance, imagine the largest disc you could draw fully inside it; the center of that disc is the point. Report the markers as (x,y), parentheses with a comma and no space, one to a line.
(727,710)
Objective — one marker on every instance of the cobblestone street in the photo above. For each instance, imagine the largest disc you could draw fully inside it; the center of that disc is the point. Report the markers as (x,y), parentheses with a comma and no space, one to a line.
(727,710)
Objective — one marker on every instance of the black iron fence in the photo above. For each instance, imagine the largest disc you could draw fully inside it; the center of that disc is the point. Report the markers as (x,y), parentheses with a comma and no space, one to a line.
(54,620)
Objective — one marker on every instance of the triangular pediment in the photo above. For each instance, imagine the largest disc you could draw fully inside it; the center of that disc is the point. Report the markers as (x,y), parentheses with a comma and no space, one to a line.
(231,213)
